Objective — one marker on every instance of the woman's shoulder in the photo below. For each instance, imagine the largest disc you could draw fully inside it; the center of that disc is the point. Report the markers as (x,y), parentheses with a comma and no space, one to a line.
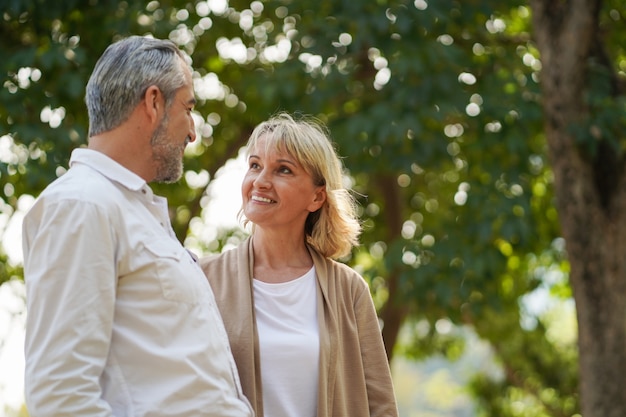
(216,265)
(338,273)
(226,256)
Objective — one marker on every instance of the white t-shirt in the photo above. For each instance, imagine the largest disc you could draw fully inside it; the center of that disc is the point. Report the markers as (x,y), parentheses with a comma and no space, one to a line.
(286,318)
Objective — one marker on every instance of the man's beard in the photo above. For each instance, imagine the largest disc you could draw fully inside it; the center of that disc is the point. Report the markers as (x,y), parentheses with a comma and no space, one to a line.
(166,155)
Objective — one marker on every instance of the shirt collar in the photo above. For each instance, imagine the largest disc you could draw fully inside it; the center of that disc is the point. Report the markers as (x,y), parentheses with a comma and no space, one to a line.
(107,167)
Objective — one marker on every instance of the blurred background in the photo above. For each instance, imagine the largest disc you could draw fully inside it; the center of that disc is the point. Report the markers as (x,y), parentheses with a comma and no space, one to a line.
(437,109)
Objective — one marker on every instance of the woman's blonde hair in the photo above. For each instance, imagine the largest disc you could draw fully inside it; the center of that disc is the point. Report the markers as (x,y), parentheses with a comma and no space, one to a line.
(333,229)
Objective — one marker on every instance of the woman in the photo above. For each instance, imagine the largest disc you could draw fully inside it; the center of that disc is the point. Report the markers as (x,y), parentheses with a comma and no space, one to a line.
(302,327)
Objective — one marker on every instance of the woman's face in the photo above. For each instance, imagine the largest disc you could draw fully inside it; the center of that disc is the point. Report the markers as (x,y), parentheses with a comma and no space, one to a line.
(276,190)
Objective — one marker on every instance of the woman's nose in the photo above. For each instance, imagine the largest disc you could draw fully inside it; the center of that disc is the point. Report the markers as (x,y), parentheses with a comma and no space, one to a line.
(262,180)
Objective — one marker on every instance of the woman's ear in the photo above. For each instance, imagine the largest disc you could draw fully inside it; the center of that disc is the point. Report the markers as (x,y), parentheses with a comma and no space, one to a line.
(318,200)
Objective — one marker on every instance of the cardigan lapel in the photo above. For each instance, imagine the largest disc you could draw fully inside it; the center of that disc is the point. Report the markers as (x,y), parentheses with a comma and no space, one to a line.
(245,261)
(327,322)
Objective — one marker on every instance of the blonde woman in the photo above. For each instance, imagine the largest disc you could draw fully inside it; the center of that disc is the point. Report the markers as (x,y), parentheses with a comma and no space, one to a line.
(302,326)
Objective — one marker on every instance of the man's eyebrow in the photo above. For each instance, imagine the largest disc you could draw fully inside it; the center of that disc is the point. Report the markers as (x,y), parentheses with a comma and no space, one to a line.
(192,101)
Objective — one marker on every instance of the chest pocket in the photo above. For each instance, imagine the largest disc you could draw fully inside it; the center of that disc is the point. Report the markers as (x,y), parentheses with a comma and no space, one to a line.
(180,278)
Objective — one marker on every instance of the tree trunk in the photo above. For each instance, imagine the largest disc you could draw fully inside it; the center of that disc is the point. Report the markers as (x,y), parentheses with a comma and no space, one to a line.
(394,312)
(590,194)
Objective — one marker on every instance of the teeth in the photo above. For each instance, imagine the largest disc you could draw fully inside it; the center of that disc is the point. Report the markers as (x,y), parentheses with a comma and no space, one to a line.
(262,199)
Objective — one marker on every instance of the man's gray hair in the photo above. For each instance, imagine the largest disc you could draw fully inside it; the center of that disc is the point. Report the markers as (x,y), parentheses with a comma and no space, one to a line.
(123,74)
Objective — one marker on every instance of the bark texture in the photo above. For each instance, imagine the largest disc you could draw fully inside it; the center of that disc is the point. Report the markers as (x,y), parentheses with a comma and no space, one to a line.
(590,193)
(394,312)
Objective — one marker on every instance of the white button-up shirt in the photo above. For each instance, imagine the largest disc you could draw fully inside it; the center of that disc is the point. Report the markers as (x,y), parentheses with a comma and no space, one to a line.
(120,319)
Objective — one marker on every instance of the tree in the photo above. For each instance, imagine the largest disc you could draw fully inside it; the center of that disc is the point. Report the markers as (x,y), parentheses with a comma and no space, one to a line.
(584,99)
(436,107)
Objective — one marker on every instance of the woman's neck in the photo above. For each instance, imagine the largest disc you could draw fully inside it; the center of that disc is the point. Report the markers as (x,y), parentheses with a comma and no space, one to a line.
(279,259)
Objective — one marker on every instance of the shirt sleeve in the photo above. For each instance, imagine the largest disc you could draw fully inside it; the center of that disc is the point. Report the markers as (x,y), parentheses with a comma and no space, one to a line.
(378,381)
(70,275)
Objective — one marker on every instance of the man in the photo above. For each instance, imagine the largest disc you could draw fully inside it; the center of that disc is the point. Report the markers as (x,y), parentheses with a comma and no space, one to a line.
(121,320)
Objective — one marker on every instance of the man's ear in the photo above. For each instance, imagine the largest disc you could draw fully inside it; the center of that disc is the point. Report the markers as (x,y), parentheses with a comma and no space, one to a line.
(154,103)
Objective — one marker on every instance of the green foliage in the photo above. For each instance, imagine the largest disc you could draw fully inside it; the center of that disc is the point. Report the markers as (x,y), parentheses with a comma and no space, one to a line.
(8,271)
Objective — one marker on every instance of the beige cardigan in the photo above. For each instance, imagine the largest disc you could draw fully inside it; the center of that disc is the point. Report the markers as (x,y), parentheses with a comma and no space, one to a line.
(354,379)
